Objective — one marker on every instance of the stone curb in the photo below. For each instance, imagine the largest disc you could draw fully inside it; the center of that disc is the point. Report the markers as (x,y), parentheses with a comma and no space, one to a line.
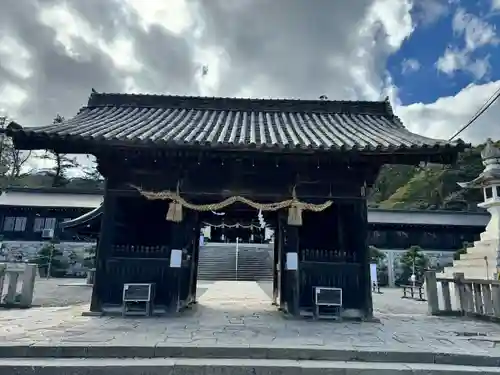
(176,366)
(244,352)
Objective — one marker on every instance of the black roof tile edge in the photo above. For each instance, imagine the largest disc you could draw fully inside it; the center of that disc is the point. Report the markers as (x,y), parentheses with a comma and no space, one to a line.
(239,104)
(437,145)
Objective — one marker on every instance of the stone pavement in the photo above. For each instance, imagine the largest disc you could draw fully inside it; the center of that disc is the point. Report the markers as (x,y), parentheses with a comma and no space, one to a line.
(238,316)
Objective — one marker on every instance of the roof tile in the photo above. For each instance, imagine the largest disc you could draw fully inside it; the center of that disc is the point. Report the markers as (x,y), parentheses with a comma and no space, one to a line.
(238,123)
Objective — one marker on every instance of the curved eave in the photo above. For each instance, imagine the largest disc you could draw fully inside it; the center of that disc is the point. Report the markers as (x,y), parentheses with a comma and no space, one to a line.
(82,220)
(32,140)
(485,179)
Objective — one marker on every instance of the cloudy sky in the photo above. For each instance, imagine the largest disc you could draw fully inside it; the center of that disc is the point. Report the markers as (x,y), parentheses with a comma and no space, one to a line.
(438,60)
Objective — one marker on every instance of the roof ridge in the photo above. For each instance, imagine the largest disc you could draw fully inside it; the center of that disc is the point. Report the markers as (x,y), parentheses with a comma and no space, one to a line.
(232,103)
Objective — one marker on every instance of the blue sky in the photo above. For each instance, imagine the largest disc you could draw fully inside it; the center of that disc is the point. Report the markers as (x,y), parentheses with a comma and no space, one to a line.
(423,80)
(437,60)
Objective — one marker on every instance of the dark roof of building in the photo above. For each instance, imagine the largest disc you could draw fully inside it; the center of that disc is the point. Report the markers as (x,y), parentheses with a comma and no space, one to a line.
(232,123)
(83,219)
(375,217)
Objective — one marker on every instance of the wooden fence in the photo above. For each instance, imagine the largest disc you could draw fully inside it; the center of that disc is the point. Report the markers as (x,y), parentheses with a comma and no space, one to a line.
(473,297)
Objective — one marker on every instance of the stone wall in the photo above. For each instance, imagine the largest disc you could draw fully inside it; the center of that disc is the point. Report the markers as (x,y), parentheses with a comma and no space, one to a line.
(29,249)
(392,264)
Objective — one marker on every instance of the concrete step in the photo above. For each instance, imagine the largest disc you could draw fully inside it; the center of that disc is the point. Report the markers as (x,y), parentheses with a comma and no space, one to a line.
(479,255)
(470,272)
(474,263)
(487,243)
(157,366)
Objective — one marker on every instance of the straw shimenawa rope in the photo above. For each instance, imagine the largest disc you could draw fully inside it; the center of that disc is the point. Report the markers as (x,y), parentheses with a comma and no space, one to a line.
(295,207)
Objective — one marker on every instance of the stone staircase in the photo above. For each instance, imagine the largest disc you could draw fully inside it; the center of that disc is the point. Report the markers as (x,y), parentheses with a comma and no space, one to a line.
(219,261)
(255,263)
(478,263)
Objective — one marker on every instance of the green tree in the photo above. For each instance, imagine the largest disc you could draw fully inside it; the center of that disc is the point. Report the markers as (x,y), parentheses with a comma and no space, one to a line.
(413,260)
(390,178)
(62,163)
(49,257)
(376,255)
(430,187)
(90,257)
(12,160)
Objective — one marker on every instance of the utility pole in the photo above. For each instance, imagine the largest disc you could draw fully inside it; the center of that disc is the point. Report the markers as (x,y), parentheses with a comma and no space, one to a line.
(49,267)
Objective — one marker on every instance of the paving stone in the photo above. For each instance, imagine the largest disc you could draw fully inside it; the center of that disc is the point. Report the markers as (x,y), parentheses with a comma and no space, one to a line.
(247,320)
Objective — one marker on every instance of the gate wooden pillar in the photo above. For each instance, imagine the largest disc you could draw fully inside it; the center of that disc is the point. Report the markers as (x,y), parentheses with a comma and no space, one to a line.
(177,242)
(276,264)
(282,281)
(291,245)
(103,249)
(195,259)
(366,287)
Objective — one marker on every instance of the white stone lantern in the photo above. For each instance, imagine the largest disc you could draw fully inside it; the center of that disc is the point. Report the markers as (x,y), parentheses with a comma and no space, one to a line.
(482,261)
(489,182)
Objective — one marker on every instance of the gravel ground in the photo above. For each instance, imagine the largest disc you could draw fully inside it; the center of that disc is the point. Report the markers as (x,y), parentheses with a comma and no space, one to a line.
(61,292)
(389,302)
(66,292)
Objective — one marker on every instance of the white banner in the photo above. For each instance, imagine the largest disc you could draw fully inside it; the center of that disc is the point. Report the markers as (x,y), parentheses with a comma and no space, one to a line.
(373,273)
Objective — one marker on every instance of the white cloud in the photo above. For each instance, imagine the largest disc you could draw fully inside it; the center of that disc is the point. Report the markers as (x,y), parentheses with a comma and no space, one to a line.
(495,4)
(395,17)
(174,15)
(71,30)
(447,115)
(410,65)
(12,97)
(392,18)
(476,33)
(451,61)
(455,60)
(15,57)
(212,58)
(429,11)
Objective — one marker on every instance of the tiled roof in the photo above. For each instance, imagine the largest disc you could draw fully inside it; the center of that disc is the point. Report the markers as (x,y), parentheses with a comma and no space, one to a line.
(231,123)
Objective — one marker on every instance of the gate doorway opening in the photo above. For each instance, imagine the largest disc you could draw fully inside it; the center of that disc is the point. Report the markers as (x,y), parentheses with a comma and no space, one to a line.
(236,259)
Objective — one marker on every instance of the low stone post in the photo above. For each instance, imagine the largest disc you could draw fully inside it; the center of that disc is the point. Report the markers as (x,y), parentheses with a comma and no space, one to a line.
(445,289)
(458,279)
(3,267)
(488,302)
(28,285)
(90,276)
(468,298)
(478,299)
(431,291)
(10,297)
(495,297)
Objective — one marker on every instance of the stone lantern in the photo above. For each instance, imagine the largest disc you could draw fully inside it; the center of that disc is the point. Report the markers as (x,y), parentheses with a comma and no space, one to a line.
(482,261)
(489,182)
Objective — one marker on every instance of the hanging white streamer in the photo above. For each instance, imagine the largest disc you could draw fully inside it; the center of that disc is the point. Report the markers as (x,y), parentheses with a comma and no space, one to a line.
(237,225)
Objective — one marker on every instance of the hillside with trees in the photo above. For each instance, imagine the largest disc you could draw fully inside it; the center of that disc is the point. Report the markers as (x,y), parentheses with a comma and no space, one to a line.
(433,187)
